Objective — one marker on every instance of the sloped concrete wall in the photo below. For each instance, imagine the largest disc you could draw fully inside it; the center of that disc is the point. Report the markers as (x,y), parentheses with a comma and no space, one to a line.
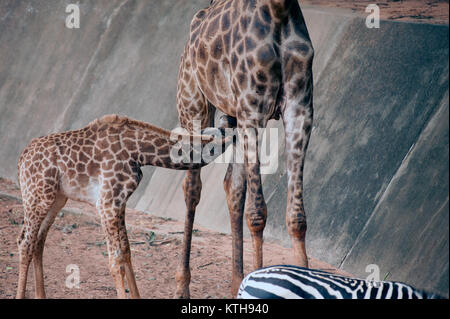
(381,103)
(376,176)
(123,59)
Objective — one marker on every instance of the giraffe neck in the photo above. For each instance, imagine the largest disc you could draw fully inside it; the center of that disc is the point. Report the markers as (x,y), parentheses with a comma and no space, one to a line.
(177,151)
(147,144)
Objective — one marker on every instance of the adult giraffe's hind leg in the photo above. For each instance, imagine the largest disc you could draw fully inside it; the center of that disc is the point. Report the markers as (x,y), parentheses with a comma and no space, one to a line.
(235,188)
(192,187)
(255,205)
(193,114)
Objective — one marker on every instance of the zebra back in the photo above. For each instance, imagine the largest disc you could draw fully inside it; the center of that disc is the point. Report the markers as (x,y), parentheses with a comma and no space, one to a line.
(292,282)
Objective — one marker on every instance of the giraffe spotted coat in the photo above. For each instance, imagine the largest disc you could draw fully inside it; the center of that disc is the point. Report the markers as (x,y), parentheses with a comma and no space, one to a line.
(251,60)
(98,164)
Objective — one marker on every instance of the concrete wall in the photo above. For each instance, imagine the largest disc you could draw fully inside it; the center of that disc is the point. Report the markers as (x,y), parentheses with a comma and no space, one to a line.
(376,180)
(124,59)
(376,176)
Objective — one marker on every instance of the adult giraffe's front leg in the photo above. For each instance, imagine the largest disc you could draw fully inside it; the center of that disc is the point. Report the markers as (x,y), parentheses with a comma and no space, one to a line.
(297,120)
(192,187)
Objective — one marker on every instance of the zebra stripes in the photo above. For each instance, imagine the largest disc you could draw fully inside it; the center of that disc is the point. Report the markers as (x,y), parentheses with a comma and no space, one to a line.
(291,282)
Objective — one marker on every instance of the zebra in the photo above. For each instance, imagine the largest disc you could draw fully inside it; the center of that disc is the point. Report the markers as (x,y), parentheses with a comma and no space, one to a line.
(292,282)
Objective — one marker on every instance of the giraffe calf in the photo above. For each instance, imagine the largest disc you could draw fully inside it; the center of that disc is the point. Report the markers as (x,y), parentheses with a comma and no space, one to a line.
(98,164)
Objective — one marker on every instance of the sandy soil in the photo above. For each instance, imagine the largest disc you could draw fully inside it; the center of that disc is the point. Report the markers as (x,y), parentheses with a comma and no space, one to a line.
(76,238)
(424,11)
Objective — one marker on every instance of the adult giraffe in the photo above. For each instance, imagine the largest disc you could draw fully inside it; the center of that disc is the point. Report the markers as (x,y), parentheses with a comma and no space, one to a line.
(251,60)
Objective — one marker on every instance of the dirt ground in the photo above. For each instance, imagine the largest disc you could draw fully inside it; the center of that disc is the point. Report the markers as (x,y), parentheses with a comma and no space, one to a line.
(424,11)
(76,238)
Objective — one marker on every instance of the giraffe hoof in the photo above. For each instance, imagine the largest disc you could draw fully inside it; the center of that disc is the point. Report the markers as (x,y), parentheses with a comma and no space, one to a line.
(182,294)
